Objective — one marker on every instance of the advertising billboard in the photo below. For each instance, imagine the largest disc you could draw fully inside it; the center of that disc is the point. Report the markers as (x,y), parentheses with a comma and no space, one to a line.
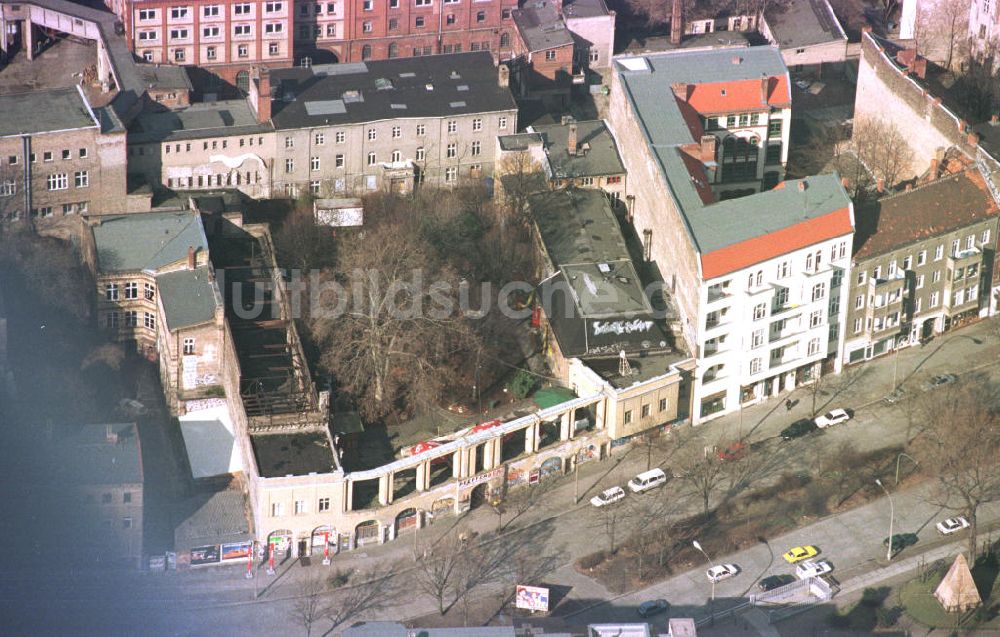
(205,555)
(236,550)
(532,598)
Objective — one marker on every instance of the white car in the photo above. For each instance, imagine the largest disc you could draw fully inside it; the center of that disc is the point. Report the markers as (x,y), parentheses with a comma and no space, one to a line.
(834,417)
(809,568)
(608,496)
(949,526)
(721,572)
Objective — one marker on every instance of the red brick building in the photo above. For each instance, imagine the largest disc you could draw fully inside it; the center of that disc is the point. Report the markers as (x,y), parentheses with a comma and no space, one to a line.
(356,30)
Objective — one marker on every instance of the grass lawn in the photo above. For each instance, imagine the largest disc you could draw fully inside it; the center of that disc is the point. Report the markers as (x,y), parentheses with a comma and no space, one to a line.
(918,599)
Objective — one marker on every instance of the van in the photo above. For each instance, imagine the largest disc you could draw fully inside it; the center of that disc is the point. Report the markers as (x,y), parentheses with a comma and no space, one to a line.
(647,480)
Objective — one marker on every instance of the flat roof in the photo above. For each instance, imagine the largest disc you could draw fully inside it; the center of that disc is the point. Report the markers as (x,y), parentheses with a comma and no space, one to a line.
(146,241)
(938,207)
(599,158)
(293,454)
(165,76)
(400,88)
(519,141)
(802,23)
(189,297)
(204,119)
(715,39)
(36,112)
(584,9)
(541,26)
(578,226)
(99,454)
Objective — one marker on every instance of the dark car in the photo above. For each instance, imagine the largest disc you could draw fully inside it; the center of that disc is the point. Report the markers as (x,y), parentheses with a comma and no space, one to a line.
(653,607)
(900,541)
(798,429)
(775,581)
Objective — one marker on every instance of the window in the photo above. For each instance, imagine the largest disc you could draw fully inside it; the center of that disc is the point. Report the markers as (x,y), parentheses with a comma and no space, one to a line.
(105,498)
(177,13)
(922,257)
(277,509)
(859,301)
(210,54)
(314,187)
(323,505)
(857,325)
(58,181)
(368,5)
(331,8)
(319,139)
(452,126)
(418,21)
(314,163)
(420,154)
(131,290)
(452,150)
(289,165)
(939,253)
(757,338)
(131,318)
(920,281)
(393,25)
(331,30)
(663,404)
(47,156)
(149,320)
(241,9)
(178,56)
(816,318)
(477,148)
(111,291)
(82,178)
(300,507)
(813,347)
(781,297)
(421,130)
(450,19)
(147,14)
(985,238)
(340,137)
(644,411)
(397,132)
(289,142)
(818,291)
(274,27)
(422,3)
(148,35)
(393,4)
(242,29)
(477,124)
(273,7)
(371,159)
(933,299)
(338,161)
(242,50)
(210,32)
(393,50)
(8,188)
(954,247)
(935,276)
(505,14)
(834,305)
(210,12)
(970,242)
(372,134)
(809,262)
(550,55)
(504,40)
(451,174)
(628,416)
(178,34)
(759,311)
(774,127)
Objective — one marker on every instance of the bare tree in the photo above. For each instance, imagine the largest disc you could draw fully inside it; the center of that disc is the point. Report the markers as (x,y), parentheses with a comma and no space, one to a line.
(303,244)
(309,605)
(706,472)
(961,442)
(519,175)
(438,569)
(883,148)
(351,603)
(942,28)
(608,519)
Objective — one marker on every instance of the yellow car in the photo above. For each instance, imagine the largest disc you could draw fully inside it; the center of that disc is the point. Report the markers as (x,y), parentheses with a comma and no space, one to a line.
(800,553)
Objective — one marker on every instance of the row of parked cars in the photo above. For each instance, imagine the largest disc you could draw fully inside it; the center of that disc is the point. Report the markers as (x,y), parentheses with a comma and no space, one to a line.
(643,482)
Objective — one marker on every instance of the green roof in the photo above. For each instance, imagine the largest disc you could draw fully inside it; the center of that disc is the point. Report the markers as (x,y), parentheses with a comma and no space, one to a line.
(189,297)
(552,396)
(147,241)
(600,158)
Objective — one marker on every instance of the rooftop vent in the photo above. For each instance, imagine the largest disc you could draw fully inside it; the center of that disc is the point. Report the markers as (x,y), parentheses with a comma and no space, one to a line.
(455,76)
(456,104)
(737,59)
(408,74)
(604,267)
(462,87)
(352,97)
(398,107)
(383,84)
(802,186)
(429,86)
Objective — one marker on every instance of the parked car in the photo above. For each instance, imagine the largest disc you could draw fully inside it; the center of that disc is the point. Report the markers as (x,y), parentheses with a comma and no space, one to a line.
(798,429)
(721,572)
(895,396)
(803,84)
(653,607)
(608,496)
(809,568)
(772,582)
(734,451)
(647,480)
(900,541)
(800,553)
(940,380)
(951,525)
(831,418)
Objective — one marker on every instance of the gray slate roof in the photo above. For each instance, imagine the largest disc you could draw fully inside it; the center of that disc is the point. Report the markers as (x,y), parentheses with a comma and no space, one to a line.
(215,518)
(601,159)
(578,226)
(165,76)
(206,119)
(44,111)
(540,26)
(713,225)
(147,241)
(87,457)
(333,94)
(189,297)
(803,23)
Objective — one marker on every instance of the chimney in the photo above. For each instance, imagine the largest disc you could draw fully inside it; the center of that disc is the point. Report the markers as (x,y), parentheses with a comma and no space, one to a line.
(866,29)
(961,125)
(880,184)
(736,60)
(110,436)
(973,139)
(503,76)
(994,120)
(192,258)
(680,89)
(708,144)
(676,21)
(933,172)
(765,86)
(919,67)
(845,182)
(571,139)
(802,186)
(909,187)
(263,91)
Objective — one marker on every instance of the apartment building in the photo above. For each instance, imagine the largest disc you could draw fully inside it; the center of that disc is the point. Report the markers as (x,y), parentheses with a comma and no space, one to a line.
(361,30)
(389,124)
(58,156)
(757,279)
(223,37)
(923,264)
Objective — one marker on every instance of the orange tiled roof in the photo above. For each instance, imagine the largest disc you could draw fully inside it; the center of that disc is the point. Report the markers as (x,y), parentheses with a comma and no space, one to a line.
(741,95)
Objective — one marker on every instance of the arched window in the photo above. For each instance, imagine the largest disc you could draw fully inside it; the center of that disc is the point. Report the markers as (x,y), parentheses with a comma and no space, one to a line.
(393,50)
(366,52)
(504,40)
(243,82)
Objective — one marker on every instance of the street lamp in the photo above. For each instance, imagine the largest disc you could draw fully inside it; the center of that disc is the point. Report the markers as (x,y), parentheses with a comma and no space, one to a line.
(892,515)
(697,545)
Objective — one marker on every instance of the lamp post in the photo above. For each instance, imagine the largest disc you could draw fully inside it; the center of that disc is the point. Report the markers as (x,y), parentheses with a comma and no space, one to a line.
(892,515)
(697,545)
(900,457)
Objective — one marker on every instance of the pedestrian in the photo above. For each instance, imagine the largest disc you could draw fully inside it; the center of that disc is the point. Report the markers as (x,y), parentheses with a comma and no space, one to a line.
(788,404)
